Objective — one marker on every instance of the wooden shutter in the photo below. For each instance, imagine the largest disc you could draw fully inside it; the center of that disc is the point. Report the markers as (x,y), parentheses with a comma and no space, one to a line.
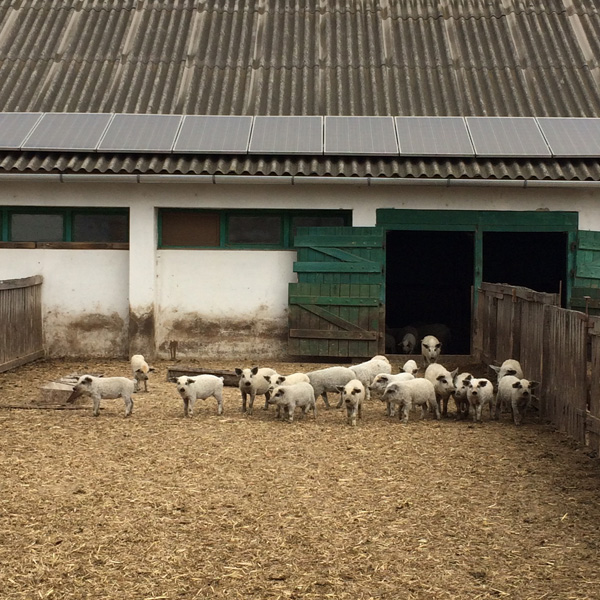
(587,273)
(336,308)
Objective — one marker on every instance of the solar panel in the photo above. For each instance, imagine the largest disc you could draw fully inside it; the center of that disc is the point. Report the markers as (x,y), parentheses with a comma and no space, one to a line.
(15,127)
(218,134)
(571,137)
(287,135)
(140,133)
(68,132)
(507,136)
(433,136)
(360,135)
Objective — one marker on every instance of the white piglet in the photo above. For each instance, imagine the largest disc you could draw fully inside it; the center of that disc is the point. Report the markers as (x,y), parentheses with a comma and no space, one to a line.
(431,348)
(353,395)
(509,367)
(252,383)
(480,392)
(515,392)
(365,372)
(383,380)
(104,387)
(201,386)
(410,366)
(140,369)
(461,400)
(289,397)
(414,392)
(328,380)
(443,382)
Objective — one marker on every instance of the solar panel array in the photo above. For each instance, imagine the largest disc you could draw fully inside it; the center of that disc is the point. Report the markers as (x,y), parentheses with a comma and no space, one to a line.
(516,137)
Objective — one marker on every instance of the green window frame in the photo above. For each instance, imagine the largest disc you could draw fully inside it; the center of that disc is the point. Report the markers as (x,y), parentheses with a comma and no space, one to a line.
(228,226)
(69,216)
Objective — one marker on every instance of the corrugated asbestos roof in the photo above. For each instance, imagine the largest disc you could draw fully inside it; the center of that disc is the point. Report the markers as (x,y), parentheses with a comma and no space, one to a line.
(302,57)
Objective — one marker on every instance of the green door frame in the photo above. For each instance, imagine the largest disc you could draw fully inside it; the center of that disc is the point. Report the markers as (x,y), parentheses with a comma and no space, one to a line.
(481,221)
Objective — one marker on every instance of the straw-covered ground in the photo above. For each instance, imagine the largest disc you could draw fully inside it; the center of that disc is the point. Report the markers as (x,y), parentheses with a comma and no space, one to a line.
(158,506)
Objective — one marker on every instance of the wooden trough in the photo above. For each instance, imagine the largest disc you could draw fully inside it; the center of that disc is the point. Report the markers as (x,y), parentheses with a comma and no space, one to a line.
(229,377)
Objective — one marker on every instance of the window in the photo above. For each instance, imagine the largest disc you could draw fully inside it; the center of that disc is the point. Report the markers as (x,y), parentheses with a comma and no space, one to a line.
(189,228)
(27,227)
(98,227)
(237,229)
(63,226)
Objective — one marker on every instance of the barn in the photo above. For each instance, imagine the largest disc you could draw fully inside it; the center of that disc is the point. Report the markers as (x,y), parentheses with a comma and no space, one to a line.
(275,178)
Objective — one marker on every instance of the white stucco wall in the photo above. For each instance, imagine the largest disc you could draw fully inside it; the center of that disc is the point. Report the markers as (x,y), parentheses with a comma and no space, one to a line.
(84,297)
(202,297)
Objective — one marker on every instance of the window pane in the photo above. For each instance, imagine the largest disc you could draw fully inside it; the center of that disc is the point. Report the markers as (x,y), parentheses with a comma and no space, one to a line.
(36,228)
(180,228)
(244,229)
(90,227)
(333,221)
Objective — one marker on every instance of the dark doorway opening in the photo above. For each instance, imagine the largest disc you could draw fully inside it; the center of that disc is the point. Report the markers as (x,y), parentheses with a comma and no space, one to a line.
(537,260)
(429,276)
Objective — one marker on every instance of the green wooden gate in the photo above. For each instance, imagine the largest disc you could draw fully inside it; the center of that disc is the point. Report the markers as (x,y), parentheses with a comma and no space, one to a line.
(587,273)
(336,308)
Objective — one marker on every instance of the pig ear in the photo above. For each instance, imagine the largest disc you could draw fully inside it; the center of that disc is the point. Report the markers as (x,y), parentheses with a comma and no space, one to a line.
(384,378)
(468,378)
(356,391)
(138,370)
(516,384)
(268,378)
(189,381)
(534,384)
(495,368)
(340,388)
(281,391)
(511,372)
(454,373)
(238,372)
(440,377)
(438,345)
(87,379)
(483,383)
(254,370)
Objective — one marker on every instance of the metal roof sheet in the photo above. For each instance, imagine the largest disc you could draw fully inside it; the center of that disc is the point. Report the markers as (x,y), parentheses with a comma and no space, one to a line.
(300,57)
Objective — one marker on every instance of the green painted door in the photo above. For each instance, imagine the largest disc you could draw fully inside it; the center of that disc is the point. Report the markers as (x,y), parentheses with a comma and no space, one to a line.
(336,308)
(587,273)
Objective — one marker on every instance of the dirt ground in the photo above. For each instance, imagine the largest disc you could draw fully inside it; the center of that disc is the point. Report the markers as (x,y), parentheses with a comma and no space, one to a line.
(161,507)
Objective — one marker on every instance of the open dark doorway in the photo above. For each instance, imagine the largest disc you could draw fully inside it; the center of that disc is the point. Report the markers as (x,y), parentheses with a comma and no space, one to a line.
(537,260)
(429,276)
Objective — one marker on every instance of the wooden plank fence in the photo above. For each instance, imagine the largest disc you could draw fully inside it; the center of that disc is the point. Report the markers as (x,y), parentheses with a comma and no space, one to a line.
(558,347)
(21,338)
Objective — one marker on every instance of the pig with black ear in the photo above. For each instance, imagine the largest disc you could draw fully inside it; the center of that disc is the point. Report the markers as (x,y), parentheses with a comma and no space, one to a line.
(104,387)
(289,397)
(366,371)
(140,369)
(461,399)
(413,392)
(480,392)
(353,395)
(410,366)
(252,383)
(328,380)
(517,393)
(201,386)
(431,348)
(443,382)
(383,380)
(509,367)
